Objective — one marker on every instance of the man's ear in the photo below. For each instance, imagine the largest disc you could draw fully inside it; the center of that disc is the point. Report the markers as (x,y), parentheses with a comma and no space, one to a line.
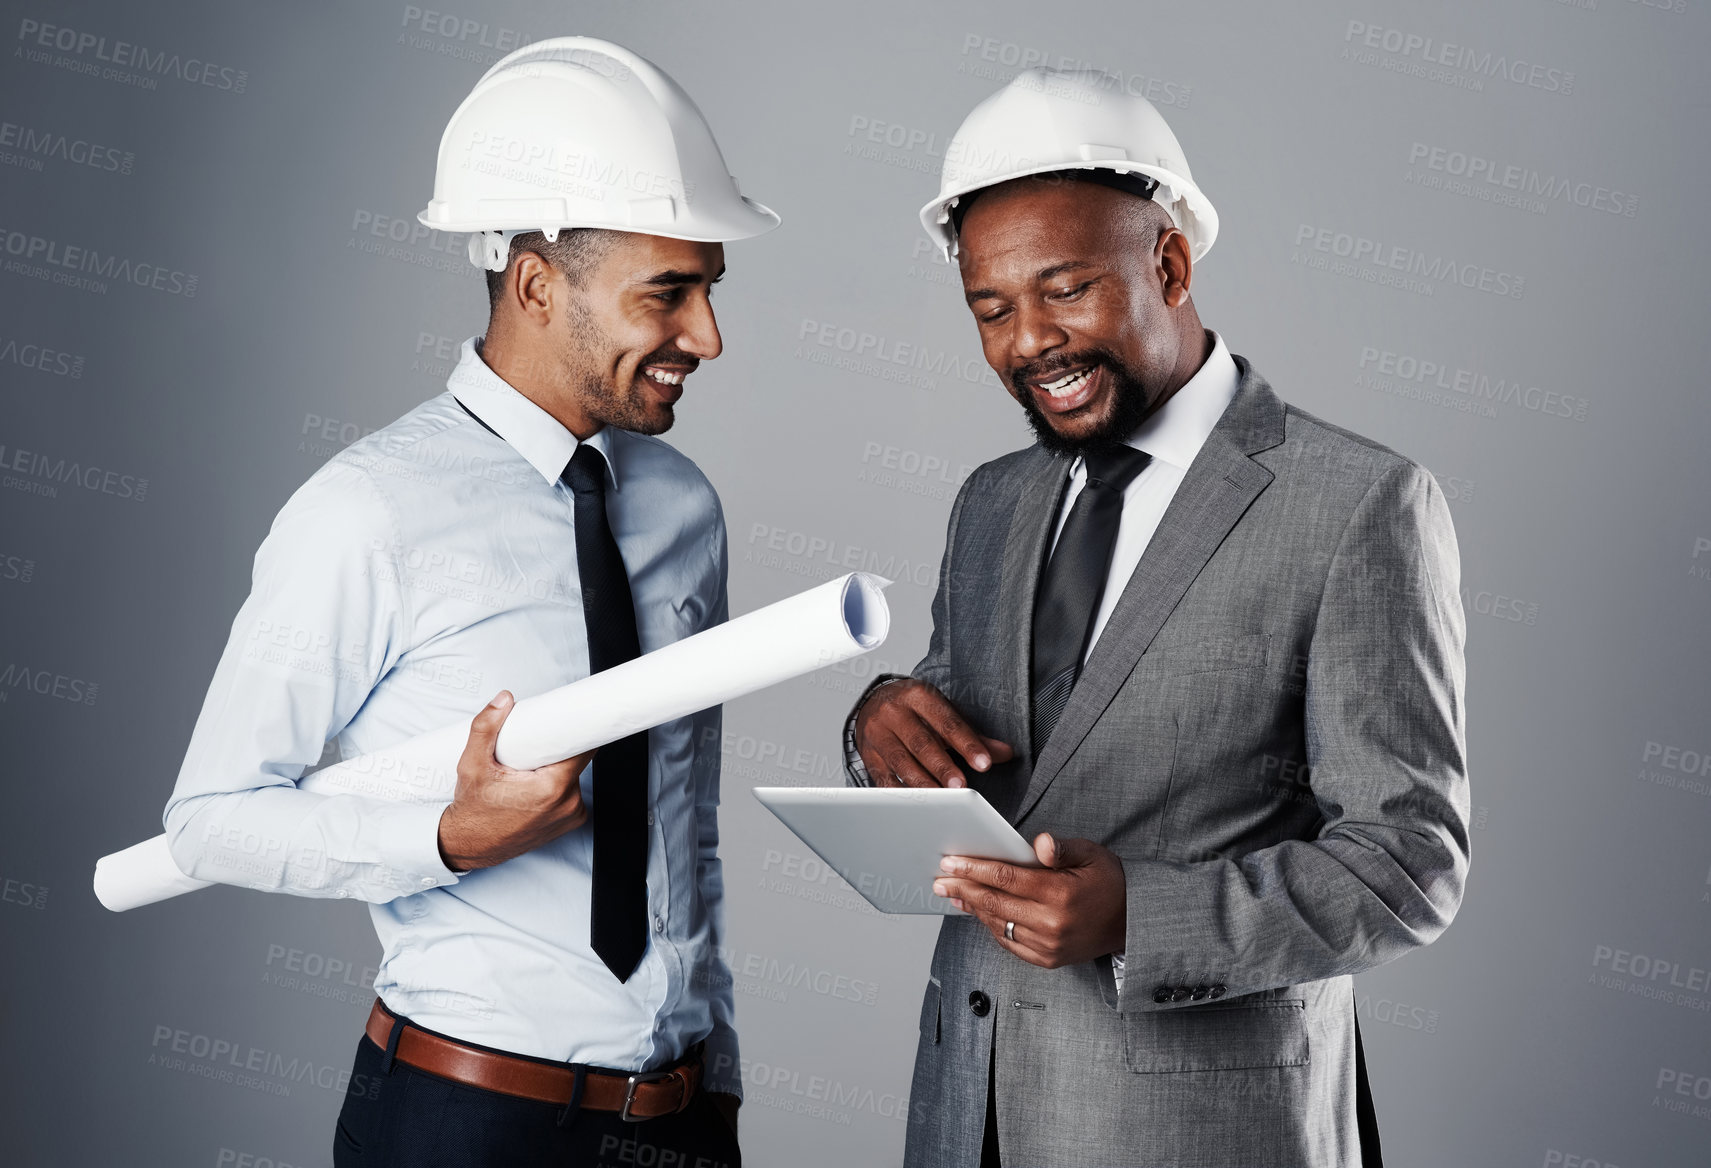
(1176,266)
(531,286)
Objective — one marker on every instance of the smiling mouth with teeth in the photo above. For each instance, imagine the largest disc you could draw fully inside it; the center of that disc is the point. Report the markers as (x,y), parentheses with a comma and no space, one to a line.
(664,377)
(1068,383)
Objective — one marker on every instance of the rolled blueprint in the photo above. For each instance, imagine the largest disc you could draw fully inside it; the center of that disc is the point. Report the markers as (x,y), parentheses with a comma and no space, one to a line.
(834,622)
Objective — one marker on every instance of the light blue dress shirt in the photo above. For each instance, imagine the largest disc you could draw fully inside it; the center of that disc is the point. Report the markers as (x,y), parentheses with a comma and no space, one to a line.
(420,571)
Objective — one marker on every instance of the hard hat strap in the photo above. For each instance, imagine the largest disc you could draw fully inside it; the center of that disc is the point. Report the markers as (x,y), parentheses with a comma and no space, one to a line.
(492,249)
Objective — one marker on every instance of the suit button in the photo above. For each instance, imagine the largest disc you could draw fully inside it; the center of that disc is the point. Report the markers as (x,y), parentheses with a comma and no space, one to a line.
(979,1003)
(1161,995)
(1199,992)
(1180,994)
(1217,991)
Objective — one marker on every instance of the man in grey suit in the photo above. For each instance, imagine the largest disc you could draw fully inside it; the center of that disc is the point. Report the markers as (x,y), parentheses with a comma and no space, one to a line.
(1207,650)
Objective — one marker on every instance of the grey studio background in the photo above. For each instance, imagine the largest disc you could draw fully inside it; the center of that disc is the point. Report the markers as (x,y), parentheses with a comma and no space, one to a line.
(1473,232)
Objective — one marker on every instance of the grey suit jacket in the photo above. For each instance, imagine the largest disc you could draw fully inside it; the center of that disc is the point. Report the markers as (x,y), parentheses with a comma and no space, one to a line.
(1269,734)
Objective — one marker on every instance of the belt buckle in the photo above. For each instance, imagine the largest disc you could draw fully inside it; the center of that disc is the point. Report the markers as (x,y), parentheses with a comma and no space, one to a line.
(630,1092)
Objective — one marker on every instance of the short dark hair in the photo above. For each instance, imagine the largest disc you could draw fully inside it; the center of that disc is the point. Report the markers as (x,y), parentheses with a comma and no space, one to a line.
(574,252)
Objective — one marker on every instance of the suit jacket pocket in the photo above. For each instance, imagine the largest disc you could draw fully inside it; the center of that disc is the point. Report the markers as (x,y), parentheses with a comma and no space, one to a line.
(930,1011)
(1217,1037)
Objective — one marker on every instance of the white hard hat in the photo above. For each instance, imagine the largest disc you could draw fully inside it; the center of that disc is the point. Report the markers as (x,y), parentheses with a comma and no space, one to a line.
(579,132)
(1059,119)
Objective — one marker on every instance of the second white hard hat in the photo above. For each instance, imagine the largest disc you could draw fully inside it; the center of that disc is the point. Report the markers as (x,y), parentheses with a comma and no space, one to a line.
(1056,119)
(579,132)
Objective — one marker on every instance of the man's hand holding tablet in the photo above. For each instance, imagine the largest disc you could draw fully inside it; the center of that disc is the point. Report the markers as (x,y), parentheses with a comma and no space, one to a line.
(1070,910)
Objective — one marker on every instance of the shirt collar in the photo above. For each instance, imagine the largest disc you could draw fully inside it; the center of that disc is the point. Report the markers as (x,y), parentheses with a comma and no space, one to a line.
(533,433)
(1176,431)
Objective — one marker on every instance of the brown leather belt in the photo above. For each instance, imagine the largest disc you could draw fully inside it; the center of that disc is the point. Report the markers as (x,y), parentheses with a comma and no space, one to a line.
(638,1096)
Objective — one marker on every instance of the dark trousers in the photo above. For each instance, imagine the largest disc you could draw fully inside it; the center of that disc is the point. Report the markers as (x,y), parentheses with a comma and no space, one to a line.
(400,1117)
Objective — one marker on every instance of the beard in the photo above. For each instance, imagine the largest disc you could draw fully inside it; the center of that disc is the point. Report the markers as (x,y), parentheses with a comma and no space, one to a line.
(1130,403)
(624,407)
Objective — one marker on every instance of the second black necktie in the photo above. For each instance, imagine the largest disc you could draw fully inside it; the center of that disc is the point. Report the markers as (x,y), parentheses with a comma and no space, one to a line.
(618,912)
(1074,582)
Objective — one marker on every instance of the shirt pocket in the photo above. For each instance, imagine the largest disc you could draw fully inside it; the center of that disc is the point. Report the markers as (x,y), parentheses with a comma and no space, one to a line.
(1223,1036)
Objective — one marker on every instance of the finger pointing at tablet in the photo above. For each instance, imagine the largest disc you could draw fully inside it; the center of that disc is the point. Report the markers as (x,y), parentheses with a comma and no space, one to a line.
(907,733)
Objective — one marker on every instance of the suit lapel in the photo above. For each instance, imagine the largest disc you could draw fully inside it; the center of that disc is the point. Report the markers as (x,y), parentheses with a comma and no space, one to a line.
(1218,489)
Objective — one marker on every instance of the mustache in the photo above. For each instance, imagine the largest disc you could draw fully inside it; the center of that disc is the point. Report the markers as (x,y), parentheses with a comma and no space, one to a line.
(1058,364)
(671,356)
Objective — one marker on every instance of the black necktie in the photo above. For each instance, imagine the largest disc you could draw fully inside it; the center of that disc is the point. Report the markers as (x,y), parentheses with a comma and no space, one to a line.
(1074,581)
(618,928)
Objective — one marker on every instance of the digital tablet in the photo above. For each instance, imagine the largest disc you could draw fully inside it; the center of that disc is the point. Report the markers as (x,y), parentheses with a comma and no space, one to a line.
(887,842)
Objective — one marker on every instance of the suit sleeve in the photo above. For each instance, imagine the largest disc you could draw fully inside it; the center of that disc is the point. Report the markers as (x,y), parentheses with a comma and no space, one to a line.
(325,619)
(934,668)
(1387,763)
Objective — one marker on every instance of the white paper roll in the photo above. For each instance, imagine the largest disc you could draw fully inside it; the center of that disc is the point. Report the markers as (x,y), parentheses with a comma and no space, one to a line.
(834,622)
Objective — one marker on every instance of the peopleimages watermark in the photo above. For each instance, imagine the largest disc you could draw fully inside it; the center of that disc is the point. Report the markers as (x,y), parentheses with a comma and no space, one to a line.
(809,878)
(911,472)
(323,436)
(1556,1157)
(42,358)
(874,354)
(227,1061)
(410,241)
(87,268)
(1414,54)
(990,59)
(767,976)
(35,473)
(30,147)
(568,168)
(1374,261)
(1674,766)
(462,38)
(435,354)
(1701,546)
(821,1096)
(48,684)
(318,975)
(1678,1083)
(23,893)
(128,64)
(232,1158)
(802,554)
(19,568)
(1461,172)
(1499,605)
(1407,375)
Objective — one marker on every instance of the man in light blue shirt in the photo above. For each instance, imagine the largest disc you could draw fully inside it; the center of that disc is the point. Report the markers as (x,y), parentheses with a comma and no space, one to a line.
(428,564)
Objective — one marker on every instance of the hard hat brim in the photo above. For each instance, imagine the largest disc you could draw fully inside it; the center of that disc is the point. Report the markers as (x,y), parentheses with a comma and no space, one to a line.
(751,220)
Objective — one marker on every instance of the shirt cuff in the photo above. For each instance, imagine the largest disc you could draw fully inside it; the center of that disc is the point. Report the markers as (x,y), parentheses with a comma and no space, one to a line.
(409,835)
(852,756)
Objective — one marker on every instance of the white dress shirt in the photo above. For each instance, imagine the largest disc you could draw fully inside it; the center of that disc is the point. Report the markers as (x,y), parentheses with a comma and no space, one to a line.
(416,574)
(1173,434)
